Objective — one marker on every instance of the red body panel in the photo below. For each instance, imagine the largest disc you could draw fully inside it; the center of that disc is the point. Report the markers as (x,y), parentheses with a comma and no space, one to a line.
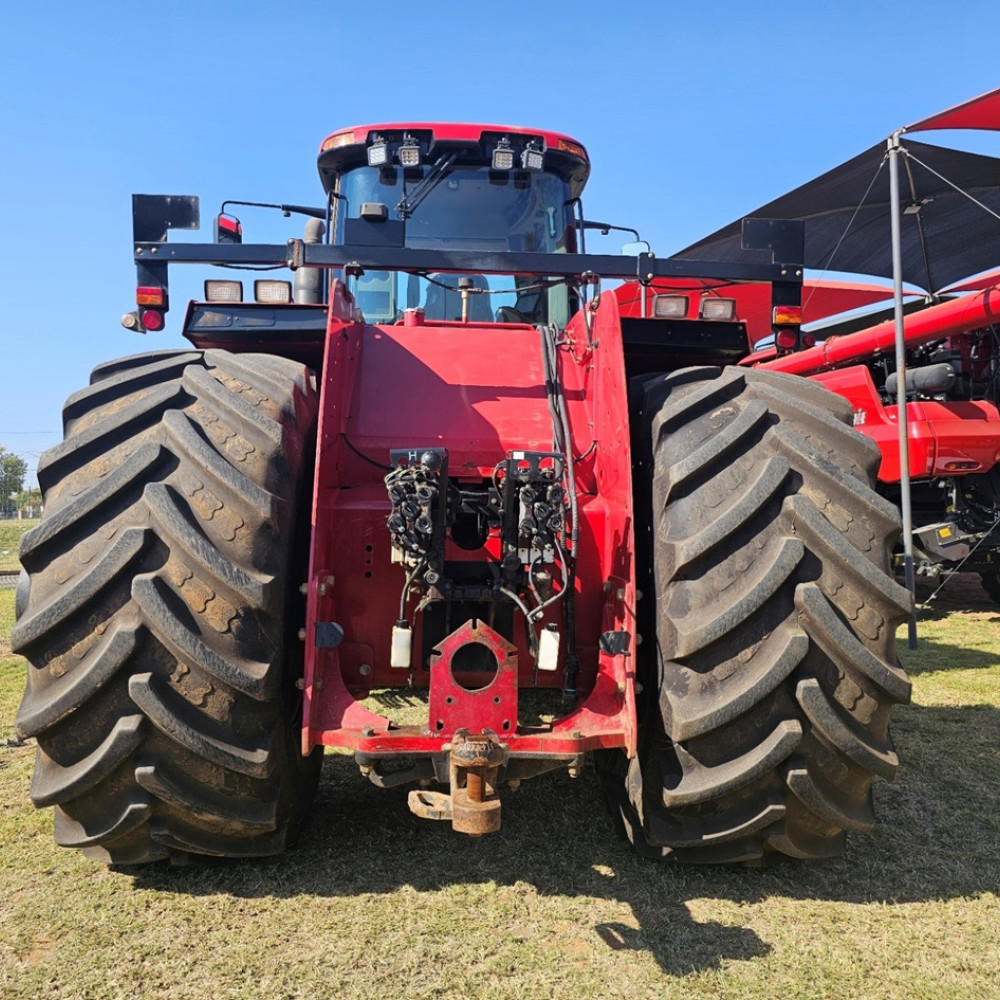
(945,439)
(479,392)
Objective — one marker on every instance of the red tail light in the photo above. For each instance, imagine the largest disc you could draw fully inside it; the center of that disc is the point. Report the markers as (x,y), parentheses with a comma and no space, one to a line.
(152,319)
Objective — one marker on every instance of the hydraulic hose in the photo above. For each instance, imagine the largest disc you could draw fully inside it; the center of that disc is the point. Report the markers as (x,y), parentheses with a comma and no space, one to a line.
(563,442)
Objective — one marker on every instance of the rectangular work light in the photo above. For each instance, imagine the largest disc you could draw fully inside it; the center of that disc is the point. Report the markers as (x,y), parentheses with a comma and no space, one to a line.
(409,152)
(723,310)
(503,156)
(268,290)
(223,291)
(378,152)
(532,158)
(670,306)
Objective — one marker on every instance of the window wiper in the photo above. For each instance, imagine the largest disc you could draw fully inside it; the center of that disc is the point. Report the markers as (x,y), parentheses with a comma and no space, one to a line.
(435,175)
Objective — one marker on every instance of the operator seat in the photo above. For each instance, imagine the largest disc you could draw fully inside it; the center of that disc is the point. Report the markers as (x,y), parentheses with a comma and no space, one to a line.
(446,303)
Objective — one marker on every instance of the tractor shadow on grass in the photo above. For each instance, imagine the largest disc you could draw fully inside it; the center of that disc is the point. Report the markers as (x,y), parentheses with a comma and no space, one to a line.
(932,655)
(935,840)
(961,593)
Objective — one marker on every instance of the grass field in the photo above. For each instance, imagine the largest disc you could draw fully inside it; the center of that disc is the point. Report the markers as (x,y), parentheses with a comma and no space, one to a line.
(10,541)
(375,903)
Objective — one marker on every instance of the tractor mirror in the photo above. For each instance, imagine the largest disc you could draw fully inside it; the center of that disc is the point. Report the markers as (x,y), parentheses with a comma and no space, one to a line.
(635,248)
(228,229)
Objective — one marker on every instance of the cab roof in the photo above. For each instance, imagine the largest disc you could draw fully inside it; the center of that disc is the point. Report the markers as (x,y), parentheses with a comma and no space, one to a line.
(346,147)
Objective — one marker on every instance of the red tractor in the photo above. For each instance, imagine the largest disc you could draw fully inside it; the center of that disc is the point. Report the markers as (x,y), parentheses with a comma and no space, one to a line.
(441,460)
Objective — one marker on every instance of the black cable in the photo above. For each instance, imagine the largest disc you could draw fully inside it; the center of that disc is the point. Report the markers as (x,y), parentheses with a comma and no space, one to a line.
(253,267)
(411,576)
(541,286)
(362,455)
(919,220)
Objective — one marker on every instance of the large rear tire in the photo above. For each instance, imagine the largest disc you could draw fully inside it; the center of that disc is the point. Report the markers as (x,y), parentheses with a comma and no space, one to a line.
(161,678)
(770,615)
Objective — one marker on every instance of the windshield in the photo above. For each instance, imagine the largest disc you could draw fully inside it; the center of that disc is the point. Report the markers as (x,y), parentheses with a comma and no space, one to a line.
(468,208)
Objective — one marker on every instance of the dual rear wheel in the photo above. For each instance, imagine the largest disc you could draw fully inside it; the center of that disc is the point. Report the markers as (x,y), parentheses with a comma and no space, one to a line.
(161,677)
(772,612)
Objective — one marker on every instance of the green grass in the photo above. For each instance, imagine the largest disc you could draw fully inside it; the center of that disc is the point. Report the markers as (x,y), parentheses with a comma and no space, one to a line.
(377,903)
(10,542)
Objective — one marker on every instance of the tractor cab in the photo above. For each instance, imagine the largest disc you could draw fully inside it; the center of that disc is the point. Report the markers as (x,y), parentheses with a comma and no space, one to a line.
(492,190)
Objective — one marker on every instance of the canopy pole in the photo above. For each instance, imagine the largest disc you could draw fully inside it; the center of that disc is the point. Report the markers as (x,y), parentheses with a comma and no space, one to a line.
(895,149)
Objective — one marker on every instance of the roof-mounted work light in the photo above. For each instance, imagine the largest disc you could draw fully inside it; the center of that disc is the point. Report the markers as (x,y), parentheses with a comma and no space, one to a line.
(408,152)
(503,155)
(532,158)
(378,152)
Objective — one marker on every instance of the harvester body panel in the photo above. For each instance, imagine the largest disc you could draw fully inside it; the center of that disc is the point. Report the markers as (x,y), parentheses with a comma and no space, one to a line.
(946,438)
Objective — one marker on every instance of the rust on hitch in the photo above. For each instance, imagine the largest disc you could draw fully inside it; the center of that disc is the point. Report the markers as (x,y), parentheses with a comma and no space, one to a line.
(473,806)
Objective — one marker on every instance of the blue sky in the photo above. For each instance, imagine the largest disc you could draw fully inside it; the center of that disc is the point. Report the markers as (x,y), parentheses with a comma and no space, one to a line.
(693,114)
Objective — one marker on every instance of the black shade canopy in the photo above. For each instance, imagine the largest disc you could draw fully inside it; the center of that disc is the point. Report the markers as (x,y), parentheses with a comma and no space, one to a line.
(945,235)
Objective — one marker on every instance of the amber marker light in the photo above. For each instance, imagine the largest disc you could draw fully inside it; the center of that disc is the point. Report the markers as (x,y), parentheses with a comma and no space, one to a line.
(149,295)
